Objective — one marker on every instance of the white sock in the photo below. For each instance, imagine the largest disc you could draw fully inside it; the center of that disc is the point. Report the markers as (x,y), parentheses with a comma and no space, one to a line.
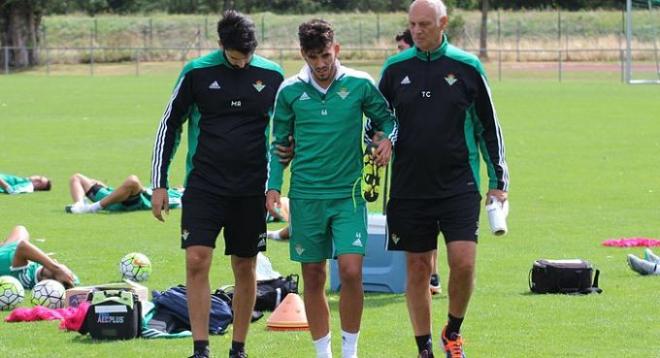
(274,235)
(349,343)
(95,207)
(323,348)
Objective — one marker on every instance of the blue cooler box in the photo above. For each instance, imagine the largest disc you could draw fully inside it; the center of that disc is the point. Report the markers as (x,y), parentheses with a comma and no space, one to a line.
(383,271)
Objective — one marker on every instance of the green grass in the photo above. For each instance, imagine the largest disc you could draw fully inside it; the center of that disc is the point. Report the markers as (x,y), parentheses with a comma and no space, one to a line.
(584,168)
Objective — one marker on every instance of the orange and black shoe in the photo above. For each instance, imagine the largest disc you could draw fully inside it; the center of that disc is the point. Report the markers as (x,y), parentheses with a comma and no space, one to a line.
(453,345)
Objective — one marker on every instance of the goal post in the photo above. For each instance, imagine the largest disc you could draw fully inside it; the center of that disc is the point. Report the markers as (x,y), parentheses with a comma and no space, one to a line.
(642,47)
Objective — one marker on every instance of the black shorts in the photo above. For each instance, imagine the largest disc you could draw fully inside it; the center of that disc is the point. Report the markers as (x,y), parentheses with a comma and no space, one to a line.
(242,218)
(414,224)
(91,194)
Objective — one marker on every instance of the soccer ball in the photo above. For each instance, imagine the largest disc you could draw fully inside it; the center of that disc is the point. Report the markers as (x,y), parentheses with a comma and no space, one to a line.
(11,292)
(48,293)
(135,266)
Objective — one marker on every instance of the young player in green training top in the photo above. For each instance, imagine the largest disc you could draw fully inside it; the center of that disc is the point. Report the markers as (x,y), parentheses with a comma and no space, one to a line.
(322,107)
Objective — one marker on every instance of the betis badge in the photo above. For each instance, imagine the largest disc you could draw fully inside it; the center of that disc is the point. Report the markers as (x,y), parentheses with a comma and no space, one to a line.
(259,86)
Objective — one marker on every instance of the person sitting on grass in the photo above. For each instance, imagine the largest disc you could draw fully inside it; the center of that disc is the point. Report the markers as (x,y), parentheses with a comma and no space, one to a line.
(28,264)
(649,265)
(131,195)
(12,184)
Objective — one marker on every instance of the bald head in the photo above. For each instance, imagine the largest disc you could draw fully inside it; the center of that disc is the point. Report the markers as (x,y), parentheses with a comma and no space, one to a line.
(427,20)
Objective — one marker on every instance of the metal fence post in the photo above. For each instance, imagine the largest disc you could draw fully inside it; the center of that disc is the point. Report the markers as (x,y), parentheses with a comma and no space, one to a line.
(559,66)
(518,41)
(263,28)
(199,41)
(91,52)
(6,50)
(137,62)
(44,35)
(622,57)
(377,26)
(499,64)
(206,28)
(360,32)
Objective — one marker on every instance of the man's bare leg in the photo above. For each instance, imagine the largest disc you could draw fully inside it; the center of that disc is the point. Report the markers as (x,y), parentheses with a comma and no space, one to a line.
(351,301)
(130,187)
(18,233)
(198,292)
(418,296)
(245,295)
(79,185)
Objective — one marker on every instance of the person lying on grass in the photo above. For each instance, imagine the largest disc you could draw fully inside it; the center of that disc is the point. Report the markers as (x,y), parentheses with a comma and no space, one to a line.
(131,195)
(27,263)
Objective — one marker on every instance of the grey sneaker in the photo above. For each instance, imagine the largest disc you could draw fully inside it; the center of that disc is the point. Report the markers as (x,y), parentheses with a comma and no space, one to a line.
(434,285)
(642,267)
(650,256)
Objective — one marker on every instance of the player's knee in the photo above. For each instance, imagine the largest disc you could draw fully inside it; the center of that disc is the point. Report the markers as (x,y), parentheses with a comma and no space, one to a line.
(419,268)
(314,277)
(244,266)
(133,182)
(462,266)
(198,262)
(75,178)
(350,274)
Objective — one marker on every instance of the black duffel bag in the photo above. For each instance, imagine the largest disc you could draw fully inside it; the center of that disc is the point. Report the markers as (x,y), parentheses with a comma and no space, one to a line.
(563,276)
(113,314)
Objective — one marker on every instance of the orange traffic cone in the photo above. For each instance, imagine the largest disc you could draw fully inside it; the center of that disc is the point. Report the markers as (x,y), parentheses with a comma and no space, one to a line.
(289,315)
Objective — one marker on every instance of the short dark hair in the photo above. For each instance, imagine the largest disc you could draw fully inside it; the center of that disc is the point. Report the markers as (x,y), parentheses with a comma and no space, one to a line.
(315,35)
(48,186)
(236,32)
(406,36)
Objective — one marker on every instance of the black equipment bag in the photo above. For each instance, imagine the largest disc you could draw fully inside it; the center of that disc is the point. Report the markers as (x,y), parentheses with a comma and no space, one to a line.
(113,314)
(270,293)
(563,276)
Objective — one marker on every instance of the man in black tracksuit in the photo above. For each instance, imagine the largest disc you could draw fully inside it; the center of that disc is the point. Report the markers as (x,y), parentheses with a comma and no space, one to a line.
(446,118)
(227,97)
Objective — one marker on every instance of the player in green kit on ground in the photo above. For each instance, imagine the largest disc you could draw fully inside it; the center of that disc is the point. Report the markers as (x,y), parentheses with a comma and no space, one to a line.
(12,184)
(28,264)
(322,107)
(129,196)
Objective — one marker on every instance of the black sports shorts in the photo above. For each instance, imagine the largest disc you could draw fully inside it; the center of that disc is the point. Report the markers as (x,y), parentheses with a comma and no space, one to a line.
(242,218)
(91,195)
(414,224)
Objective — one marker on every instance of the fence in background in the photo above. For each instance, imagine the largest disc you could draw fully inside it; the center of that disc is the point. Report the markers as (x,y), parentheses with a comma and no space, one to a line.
(554,41)
(554,63)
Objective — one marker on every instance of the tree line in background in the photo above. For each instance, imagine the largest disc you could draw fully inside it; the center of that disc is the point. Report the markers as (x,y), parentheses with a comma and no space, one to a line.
(295,6)
(20,19)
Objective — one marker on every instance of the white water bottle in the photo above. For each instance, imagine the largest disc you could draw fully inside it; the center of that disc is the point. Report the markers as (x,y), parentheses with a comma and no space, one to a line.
(497,213)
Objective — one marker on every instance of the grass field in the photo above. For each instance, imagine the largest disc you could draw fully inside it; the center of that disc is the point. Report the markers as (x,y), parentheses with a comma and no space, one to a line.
(584,164)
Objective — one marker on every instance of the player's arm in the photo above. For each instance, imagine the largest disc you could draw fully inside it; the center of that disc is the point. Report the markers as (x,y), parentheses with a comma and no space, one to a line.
(382,121)
(491,141)
(167,138)
(5,186)
(282,120)
(26,252)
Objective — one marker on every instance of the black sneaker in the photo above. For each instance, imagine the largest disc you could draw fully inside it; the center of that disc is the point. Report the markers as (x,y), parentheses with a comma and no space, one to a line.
(240,354)
(199,355)
(427,353)
(434,285)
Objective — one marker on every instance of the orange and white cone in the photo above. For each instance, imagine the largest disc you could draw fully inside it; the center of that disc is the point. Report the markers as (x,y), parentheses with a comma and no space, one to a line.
(289,315)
